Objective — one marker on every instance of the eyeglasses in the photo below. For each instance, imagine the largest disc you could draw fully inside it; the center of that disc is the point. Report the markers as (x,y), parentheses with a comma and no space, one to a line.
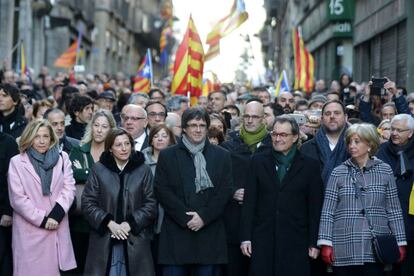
(253,117)
(399,130)
(195,126)
(157,114)
(133,118)
(281,135)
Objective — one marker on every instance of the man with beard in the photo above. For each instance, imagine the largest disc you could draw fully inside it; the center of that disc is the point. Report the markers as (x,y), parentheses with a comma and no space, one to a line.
(328,145)
(286,101)
(328,148)
(399,154)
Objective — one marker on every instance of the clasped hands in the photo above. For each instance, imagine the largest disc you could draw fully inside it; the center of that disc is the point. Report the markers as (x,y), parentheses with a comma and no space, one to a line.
(119,231)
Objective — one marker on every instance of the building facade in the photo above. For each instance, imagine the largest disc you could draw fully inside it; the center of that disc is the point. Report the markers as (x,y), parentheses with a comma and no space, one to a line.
(115,33)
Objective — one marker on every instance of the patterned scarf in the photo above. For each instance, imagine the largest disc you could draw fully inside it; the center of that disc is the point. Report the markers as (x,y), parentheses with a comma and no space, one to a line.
(202,180)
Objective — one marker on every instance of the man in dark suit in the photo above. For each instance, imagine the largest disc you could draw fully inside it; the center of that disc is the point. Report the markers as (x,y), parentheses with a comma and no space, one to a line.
(193,183)
(252,137)
(8,149)
(282,205)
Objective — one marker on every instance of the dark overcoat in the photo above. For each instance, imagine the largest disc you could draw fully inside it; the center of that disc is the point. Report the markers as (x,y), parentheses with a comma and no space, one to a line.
(107,198)
(175,190)
(281,219)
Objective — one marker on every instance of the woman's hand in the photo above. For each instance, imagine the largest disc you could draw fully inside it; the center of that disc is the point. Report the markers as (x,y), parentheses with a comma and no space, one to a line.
(327,254)
(403,254)
(117,231)
(51,224)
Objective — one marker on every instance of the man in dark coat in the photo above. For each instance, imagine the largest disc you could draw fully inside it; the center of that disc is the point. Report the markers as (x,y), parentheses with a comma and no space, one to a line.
(56,118)
(282,205)
(193,183)
(399,154)
(251,138)
(12,120)
(8,149)
(81,111)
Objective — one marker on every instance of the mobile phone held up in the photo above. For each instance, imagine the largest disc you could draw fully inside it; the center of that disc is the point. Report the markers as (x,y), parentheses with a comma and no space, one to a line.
(377,86)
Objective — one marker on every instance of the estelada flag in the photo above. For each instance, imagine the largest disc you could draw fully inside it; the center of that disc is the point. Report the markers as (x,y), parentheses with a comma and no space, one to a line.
(189,63)
(143,78)
(68,58)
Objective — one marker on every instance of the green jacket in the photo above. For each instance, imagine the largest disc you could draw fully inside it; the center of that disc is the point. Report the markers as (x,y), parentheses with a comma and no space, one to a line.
(82,162)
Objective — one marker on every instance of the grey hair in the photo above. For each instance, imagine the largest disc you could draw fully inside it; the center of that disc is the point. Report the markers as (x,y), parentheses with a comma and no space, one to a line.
(404,117)
(133,98)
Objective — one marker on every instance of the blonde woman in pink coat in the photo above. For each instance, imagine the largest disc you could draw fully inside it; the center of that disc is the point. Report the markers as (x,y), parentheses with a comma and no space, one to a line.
(41,190)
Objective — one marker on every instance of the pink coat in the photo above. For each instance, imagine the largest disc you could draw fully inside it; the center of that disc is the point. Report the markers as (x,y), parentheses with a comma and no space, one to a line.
(37,251)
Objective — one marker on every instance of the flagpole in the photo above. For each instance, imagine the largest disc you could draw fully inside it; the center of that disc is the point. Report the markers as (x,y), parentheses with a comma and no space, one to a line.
(12,50)
(150,64)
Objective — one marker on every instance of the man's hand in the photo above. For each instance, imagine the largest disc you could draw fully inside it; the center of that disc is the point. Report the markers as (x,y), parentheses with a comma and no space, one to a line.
(6,221)
(51,224)
(313,252)
(246,248)
(117,231)
(196,223)
(391,87)
(239,195)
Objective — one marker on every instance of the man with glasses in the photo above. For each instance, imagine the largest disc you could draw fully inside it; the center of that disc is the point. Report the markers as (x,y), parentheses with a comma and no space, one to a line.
(157,112)
(134,120)
(398,152)
(251,137)
(193,184)
(282,205)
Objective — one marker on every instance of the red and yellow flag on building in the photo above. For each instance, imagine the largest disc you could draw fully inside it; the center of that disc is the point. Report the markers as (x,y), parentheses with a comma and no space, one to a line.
(68,58)
(188,66)
(304,64)
(225,26)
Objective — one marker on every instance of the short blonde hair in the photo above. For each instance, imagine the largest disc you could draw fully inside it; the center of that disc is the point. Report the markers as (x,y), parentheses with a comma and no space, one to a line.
(367,133)
(87,137)
(30,132)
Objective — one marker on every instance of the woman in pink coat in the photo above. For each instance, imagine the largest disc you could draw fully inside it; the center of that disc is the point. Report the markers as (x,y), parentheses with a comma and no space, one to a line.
(41,190)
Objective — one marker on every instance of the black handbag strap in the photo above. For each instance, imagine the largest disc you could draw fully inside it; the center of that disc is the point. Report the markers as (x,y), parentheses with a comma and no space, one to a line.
(358,195)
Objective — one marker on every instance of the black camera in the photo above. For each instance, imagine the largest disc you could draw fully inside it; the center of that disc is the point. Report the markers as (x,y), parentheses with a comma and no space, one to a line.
(377,85)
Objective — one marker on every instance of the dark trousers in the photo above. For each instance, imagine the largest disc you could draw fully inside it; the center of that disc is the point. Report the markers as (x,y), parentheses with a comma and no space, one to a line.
(406,268)
(368,269)
(191,270)
(6,264)
(80,242)
(238,264)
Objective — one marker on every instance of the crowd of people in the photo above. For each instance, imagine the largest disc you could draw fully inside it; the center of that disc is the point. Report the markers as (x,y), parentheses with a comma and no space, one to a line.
(99,180)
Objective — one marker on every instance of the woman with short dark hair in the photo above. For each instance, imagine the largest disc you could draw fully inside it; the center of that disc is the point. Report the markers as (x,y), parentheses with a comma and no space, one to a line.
(119,205)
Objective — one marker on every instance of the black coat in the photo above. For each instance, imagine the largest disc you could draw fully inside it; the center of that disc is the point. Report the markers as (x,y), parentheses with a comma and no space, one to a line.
(175,190)
(8,149)
(281,219)
(240,160)
(13,124)
(75,130)
(127,196)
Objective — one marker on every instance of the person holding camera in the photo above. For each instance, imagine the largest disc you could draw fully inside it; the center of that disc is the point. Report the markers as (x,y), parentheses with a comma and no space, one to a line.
(373,94)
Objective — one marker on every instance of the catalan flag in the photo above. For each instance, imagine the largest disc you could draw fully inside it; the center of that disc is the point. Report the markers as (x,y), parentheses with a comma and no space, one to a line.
(225,26)
(210,83)
(143,79)
(304,64)
(188,66)
(282,84)
(68,58)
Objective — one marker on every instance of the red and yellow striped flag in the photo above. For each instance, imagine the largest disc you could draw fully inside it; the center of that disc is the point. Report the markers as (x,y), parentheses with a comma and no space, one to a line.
(225,26)
(304,64)
(68,58)
(188,66)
